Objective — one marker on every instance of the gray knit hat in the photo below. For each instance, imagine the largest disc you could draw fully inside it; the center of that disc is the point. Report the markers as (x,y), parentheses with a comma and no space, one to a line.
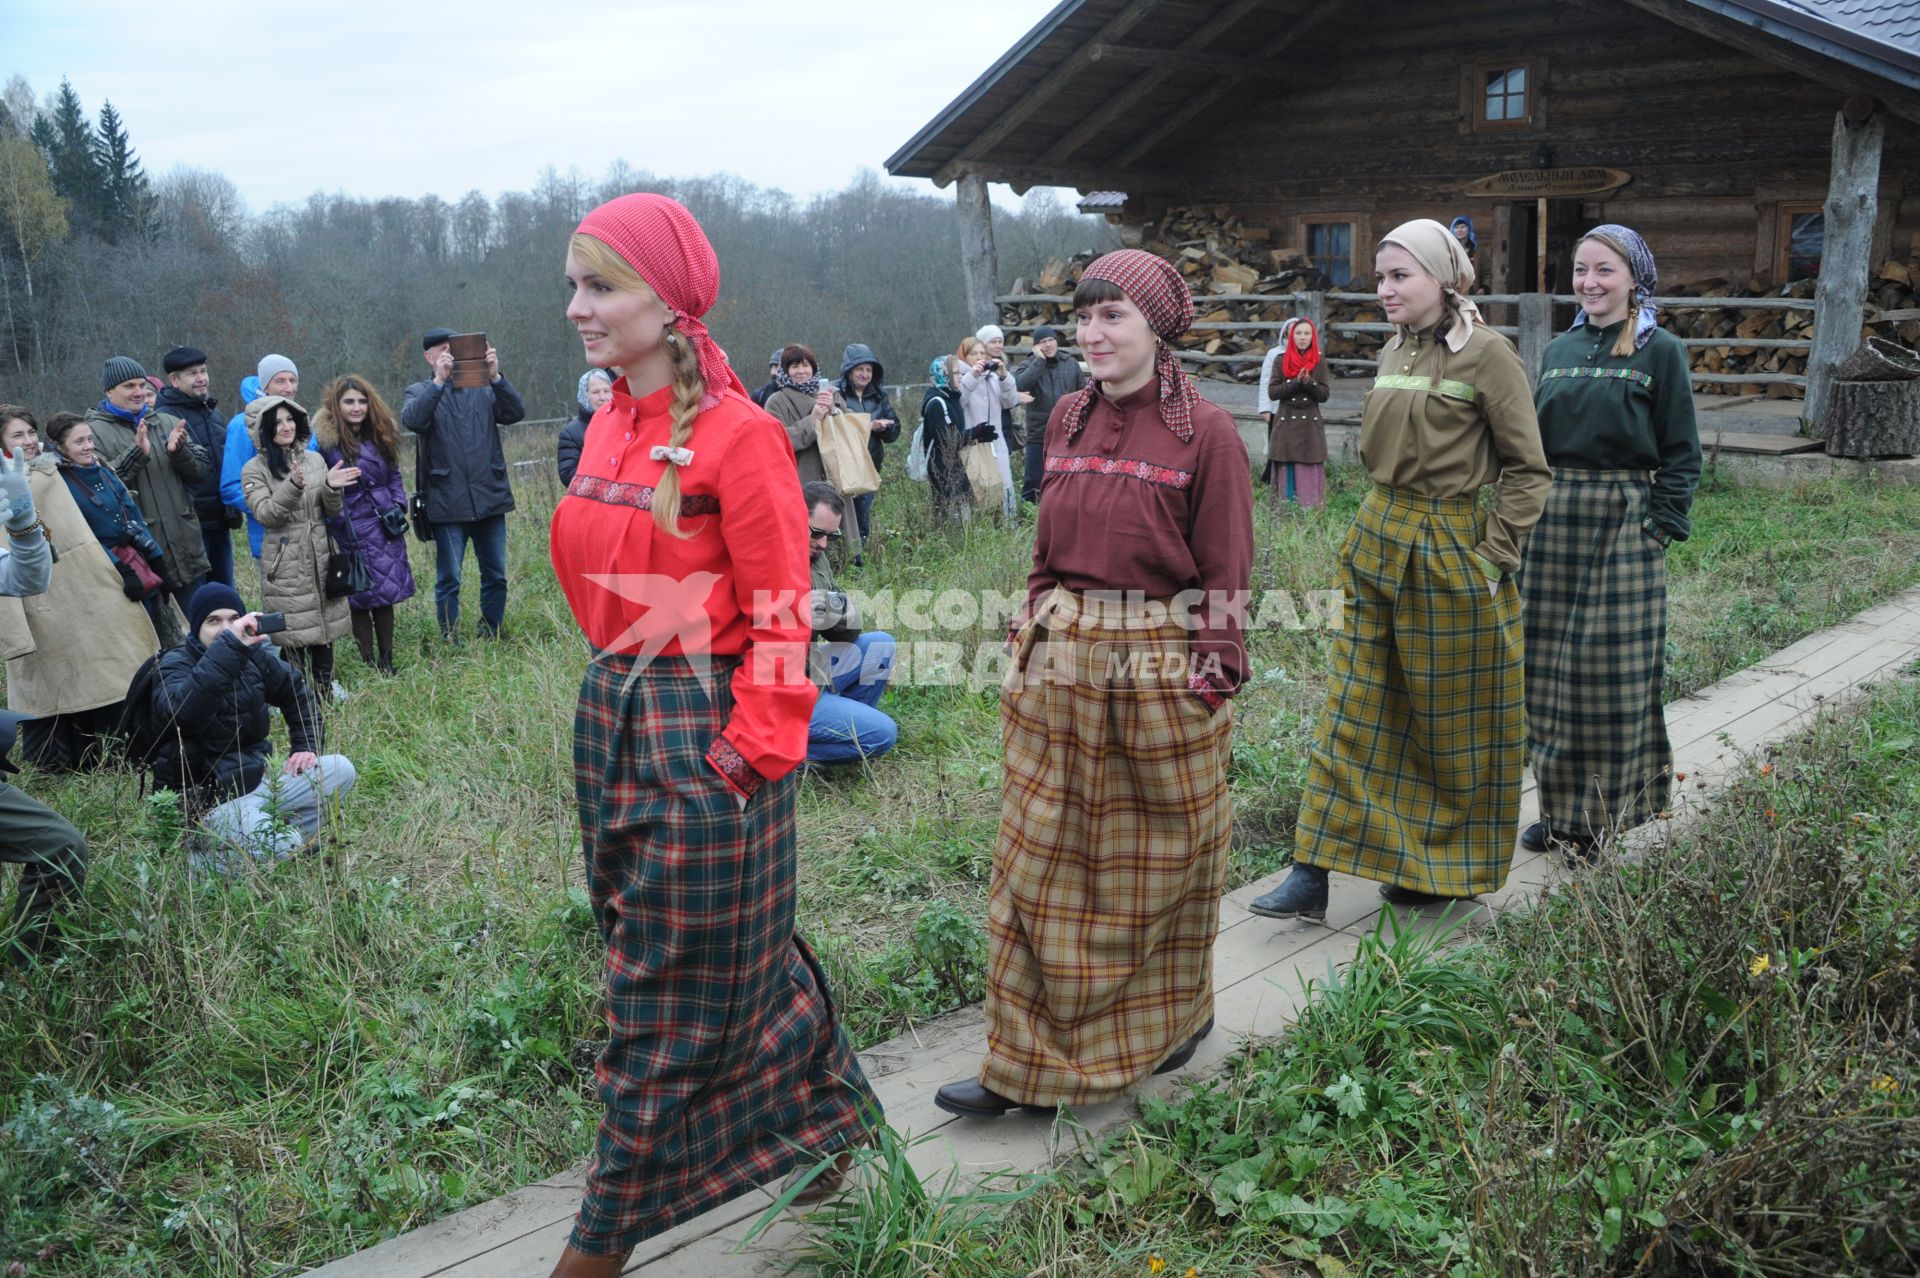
(271,366)
(119,369)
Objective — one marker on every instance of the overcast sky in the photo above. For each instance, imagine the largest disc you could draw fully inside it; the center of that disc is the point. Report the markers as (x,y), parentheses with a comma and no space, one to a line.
(398,97)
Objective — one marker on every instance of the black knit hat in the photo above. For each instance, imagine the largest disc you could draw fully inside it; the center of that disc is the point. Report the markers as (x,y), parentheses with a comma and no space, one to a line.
(181,357)
(434,337)
(211,597)
(1045,331)
(120,368)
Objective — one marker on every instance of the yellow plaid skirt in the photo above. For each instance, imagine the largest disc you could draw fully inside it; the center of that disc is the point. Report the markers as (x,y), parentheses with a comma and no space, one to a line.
(1415,775)
(1114,832)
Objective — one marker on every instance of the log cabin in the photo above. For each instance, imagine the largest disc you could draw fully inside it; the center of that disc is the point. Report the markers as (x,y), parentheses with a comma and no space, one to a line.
(1756,142)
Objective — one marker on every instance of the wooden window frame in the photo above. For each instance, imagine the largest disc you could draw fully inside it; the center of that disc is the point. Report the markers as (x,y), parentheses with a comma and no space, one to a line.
(1783,215)
(1473,93)
(1354,223)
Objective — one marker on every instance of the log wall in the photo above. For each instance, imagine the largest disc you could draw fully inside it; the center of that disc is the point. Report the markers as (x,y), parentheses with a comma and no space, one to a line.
(1374,118)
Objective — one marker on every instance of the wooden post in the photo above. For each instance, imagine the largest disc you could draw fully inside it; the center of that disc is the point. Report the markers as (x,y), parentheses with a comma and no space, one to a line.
(1540,250)
(978,262)
(1536,330)
(1313,306)
(1853,190)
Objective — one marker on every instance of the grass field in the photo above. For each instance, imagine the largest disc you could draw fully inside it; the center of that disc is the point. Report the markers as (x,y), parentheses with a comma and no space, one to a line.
(223,1077)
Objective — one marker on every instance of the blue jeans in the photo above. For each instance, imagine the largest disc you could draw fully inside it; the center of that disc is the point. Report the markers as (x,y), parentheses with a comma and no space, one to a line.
(846,726)
(219,544)
(489,538)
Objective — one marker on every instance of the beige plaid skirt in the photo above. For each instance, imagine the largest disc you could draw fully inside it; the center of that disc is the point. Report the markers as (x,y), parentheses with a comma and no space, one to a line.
(1107,875)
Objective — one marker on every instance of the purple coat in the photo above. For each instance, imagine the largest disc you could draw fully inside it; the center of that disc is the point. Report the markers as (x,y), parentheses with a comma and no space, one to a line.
(358,527)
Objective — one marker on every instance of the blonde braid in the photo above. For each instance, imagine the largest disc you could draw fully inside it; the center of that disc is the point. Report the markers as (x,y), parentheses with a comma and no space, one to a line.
(688,390)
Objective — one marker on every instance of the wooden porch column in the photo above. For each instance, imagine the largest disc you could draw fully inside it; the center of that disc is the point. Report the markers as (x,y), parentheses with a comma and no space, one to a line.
(1536,330)
(1853,191)
(978,262)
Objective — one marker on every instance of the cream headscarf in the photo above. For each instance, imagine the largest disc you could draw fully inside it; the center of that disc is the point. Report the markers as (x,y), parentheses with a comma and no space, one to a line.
(1445,258)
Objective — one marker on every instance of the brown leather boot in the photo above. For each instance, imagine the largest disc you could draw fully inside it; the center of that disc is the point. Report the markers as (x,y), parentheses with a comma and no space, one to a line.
(578,1264)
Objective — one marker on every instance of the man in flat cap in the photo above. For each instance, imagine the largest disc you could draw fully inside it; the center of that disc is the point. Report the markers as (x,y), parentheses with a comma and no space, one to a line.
(188,395)
(463,478)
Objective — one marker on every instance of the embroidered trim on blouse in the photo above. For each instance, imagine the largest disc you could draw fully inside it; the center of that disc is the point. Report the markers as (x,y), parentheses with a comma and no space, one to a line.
(733,766)
(639,496)
(1165,476)
(1623,374)
(1444,386)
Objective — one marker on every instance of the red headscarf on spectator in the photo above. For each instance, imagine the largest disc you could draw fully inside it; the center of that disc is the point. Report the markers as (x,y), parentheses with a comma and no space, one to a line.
(1150,283)
(1295,362)
(665,246)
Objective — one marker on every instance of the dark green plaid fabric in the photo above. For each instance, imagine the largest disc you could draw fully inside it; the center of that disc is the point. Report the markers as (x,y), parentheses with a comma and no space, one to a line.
(1415,774)
(726,1065)
(1595,587)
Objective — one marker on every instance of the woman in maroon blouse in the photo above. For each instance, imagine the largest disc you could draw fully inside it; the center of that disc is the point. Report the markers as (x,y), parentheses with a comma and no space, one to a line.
(1114,820)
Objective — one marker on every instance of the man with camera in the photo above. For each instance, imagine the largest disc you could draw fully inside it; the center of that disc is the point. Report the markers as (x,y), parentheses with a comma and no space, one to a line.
(849,666)
(210,701)
(1044,380)
(463,478)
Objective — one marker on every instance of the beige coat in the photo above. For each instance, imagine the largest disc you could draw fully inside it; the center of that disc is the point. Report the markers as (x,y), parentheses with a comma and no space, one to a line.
(794,411)
(294,554)
(76,646)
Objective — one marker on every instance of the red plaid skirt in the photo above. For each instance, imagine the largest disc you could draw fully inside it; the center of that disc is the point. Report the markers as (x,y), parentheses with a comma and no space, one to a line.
(727,1066)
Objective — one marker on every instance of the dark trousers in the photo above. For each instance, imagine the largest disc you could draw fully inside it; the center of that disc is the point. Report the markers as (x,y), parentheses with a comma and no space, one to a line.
(219,551)
(489,538)
(863,515)
(1036,467)
(53,860)
(71,742)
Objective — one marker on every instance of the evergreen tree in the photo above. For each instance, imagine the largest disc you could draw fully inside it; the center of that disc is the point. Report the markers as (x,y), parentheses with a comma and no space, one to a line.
(67,141)
(126,197)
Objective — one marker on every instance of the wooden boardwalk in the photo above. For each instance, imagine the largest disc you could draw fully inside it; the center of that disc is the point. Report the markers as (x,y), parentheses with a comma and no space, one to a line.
(1260,970)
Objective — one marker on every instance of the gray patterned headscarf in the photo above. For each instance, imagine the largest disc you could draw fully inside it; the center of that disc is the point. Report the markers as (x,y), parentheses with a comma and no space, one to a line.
(1626,241)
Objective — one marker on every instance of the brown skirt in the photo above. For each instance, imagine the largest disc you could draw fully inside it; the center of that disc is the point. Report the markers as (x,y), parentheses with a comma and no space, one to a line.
(1114,833)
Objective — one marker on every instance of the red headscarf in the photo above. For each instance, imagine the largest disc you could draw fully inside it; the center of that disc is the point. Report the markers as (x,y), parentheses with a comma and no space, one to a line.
(1295,362)
(1150,283)
(660,240)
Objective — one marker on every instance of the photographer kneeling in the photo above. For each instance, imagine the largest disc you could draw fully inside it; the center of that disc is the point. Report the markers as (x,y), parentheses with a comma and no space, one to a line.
(210,700)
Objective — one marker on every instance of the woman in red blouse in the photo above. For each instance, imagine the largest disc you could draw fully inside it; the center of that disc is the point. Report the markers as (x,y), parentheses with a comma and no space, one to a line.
(1114,818)
(681,546)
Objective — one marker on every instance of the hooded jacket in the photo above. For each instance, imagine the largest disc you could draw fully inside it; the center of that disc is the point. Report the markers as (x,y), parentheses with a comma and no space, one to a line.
(211,706)
(239,451)
(161,483)
(873,401)
(208,429)
(294,552)
(459,430)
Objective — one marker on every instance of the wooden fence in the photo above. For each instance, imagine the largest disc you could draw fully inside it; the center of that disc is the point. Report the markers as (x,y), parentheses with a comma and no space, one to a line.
(1531,334)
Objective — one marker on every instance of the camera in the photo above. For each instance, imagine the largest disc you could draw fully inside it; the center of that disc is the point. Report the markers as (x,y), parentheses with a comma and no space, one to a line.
(269,623)
(993,366)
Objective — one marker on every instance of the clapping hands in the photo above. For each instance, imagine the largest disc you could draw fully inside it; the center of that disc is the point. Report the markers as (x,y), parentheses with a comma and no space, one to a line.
(16,499)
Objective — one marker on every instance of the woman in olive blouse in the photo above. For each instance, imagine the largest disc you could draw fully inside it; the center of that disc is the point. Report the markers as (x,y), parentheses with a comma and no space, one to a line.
(1415,775)
(1616,416)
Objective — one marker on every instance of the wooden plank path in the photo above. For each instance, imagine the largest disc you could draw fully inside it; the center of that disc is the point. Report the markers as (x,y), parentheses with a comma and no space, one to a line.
(1260,972)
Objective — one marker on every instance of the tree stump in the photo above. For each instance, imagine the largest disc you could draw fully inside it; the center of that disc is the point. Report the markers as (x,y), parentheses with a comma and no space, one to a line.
(1873,419)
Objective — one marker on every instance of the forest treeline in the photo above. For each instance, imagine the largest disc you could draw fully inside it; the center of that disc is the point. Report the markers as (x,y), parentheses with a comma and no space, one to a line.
(99,258)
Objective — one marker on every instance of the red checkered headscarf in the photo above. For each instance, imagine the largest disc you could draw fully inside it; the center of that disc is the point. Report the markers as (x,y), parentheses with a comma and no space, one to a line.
(1151,284)
(659,239)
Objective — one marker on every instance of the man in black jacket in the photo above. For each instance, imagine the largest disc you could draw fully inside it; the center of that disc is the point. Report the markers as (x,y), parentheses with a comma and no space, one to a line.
(1049,377)
(210,700)
(464,478)
(860,377)
(187,397)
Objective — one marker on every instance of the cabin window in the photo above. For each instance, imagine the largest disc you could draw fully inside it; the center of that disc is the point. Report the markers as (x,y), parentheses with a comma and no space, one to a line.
(1330,249)
(1505,95)
(1502,93)
(1802,237)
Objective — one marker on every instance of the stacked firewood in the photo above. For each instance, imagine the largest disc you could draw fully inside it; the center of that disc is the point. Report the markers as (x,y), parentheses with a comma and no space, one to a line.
(1220,254)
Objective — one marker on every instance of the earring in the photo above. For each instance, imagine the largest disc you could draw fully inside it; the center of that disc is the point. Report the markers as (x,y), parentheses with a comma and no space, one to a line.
(671,339)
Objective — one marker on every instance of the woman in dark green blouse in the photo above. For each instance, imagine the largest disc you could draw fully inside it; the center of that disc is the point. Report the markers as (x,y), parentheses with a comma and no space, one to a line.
(1616,417)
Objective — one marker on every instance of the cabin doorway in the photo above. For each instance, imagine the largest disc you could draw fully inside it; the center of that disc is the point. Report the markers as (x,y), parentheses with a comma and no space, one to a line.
(1536,262)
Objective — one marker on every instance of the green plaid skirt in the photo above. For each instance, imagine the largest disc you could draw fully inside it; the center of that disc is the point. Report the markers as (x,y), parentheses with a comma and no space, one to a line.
(725,1064)
(1595,587)
(1415,774)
